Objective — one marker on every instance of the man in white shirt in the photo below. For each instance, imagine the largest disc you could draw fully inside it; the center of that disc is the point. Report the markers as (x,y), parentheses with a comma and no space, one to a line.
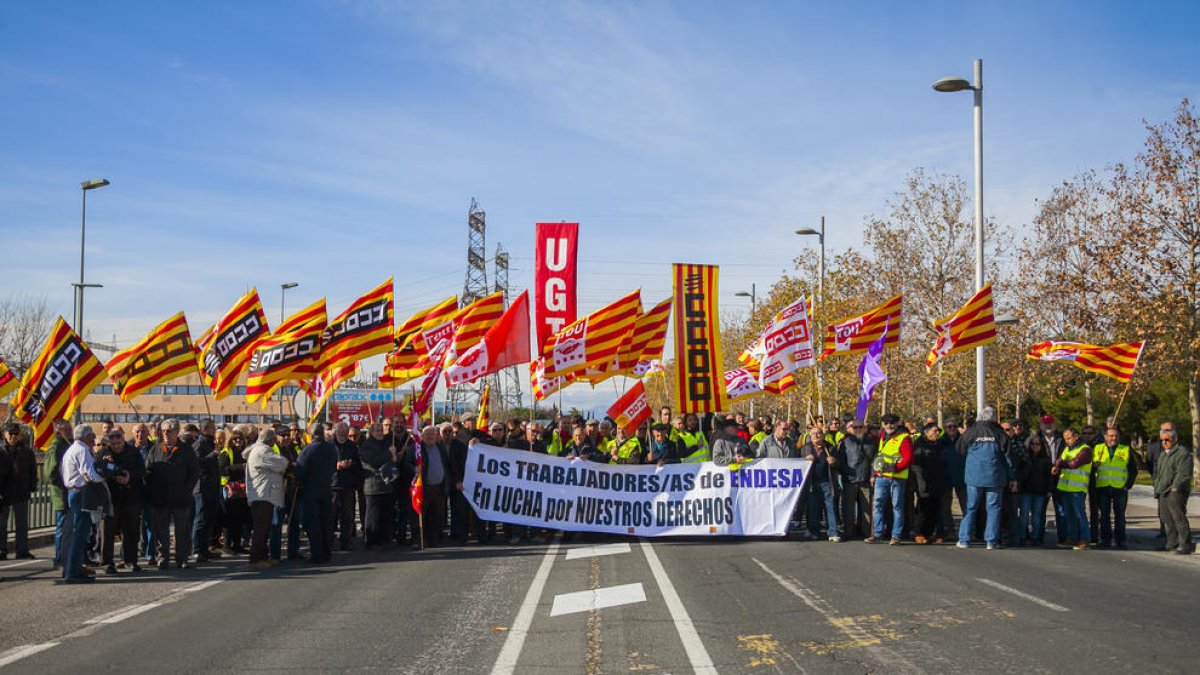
(78,470)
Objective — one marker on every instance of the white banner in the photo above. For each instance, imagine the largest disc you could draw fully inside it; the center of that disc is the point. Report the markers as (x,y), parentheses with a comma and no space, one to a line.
(526,488)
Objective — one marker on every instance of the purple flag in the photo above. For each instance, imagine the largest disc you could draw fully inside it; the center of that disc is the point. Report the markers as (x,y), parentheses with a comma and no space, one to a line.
(870,374)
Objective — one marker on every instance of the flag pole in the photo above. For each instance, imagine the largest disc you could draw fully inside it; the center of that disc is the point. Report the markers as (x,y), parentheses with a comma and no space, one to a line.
(1130,382)
(136,412)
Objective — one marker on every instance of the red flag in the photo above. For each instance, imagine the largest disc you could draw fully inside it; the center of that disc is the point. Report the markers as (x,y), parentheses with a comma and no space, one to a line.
(554,272)
(505,344)
(631,409)
(416,491)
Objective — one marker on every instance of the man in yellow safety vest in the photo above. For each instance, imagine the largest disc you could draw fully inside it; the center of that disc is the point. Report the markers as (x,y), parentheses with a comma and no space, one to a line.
(693,444)
(1116,469)
(1074,468)
(890,478)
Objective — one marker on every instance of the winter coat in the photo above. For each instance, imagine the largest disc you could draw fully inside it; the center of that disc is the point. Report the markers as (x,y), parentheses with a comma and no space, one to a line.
(726,448)
(375,455)
(208,462)
(667,452)
(171,476)
(927,469)
(315,468)
(854,457)
(129,461)
(773,448)
(23,480)
(954,465)
(986,449)
(820,471)
(1034,475)
(264,474)
(349,478)
(1173,470)
(52,470)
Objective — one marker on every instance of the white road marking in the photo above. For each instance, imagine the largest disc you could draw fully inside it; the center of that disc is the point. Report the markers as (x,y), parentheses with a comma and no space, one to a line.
(1022,594)
(696,653)
(20,564)
(17,653)
(857,636)
(122,614)
(610,596)
(200,586)
(590,551)
(507,661)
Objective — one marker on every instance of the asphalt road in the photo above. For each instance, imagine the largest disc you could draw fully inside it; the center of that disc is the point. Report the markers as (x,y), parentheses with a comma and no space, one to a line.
(665,606)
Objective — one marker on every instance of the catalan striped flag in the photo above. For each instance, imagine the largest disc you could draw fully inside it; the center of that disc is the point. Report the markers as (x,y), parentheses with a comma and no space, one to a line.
(596,373)
(469,327)
(409,358)
(57,382)
(484,418)
(165,354)
(292,352)
(594,339)
(973,325)
(1116,361)
(8,381)
(544,386)
(363,330)
(647,340)
(321,387)
(699,378)
(224,350)
(855,334)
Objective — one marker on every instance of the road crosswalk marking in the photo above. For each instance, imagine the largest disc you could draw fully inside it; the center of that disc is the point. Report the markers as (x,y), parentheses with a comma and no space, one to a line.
(611,596)
(591,551)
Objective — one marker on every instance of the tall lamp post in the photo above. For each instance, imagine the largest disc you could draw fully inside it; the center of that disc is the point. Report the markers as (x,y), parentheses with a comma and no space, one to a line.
(283,289)
(951,85)
(84,187)
(820,235)
(753,306)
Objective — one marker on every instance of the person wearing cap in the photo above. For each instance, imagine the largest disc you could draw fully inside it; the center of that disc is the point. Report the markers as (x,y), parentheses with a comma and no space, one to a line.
(662,450)
(728,447)
(855,455)
(988,472)
(17,490)
(929,480)
(1074,470)
(890,478)
(1116,470)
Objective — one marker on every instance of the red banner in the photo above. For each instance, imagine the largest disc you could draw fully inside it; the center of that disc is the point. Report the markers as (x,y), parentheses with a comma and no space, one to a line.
(631,409)
(556,249)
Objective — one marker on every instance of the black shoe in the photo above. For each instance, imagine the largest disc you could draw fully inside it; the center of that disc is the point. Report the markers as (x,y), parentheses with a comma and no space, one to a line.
(151,562)
(213,555)
(78,580)
(3,556)
(111,569)
(185,565)
(295,556)
(26,556)
(137,567)
(164,566)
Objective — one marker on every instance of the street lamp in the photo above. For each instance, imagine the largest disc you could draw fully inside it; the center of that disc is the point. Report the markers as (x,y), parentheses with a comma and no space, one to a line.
(283,289)
(84,187)
(820,235)
(752,296)
(951,85)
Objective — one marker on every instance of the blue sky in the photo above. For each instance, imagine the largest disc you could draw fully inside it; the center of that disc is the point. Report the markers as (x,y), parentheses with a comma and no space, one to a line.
(337,143)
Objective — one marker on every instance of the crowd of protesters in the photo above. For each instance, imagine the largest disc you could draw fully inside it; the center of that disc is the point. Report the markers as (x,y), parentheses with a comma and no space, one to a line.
(179,496)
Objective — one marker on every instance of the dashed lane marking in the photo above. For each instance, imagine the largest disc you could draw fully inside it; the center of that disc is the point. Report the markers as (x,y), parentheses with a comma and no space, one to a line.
(123,613)
(17,653)
(592,551)
(611,596)
(1022,594)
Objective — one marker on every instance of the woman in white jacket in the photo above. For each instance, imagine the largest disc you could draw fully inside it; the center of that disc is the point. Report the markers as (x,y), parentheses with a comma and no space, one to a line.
(264,491)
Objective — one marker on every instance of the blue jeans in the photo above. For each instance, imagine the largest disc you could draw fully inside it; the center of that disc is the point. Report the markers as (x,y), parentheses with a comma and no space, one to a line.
(1075,517)
(975,495)
(63,531)
(1060,515)
(821,495)
(77,546)
(1033,516)
(207,512)
(148,540)
(1110,500)
(889,489)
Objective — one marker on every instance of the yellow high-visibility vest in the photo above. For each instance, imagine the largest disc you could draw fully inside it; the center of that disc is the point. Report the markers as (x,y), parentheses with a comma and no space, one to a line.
(1074,480)
(1113,467)
(696,441)
(555,446)
(891,448)
(630,446)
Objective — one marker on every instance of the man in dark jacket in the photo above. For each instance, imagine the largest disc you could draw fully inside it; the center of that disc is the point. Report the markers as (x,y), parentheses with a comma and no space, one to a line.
(406,524)
(379,472)
(988,472)
(1172,486)
(822,474)
(171,474)
(854,455)
(347,479)
(206,496)
(16,491)
(661,449)
(928,479)
(436,474)
(456,465)
(124,472)
(315,470)
(1035,483)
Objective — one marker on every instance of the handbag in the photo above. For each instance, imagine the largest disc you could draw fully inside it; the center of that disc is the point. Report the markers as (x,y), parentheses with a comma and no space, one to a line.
(93,496)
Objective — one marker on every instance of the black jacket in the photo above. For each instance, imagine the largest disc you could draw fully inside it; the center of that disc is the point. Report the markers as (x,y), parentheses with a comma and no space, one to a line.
(456,465)
(171,476)
(22,480)
(668,452)
(129,461)
(926,469)
(1033,475)
(349,478)
(208,462)
(820,471)
(375,455)
(854,457)
(315,469)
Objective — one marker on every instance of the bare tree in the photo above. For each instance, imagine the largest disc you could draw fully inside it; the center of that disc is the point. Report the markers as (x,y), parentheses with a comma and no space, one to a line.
(25,321)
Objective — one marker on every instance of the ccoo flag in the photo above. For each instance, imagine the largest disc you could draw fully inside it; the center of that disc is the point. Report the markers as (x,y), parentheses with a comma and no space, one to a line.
(505,344)
(469,327)
(699,372)
(409,358)
(1115,361)
(855,334)
(363,330)
(784,346)
(973,325)
(56,383)
(291,353)
(225,349)
(631,409)
(164,354)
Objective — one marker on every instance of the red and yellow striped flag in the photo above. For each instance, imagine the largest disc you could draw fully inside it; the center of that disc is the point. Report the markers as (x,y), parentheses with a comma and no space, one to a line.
(699,364)
(855,334)
(647,340)
(224,350)
(484,420)
(56,383)
(597,373)
(8,381)
(408,359)
(544,386)
(292,352)
(362,331)
(322,386)
(1116,361)
(469,326)
(594,339)
(973,325)
(164,354)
